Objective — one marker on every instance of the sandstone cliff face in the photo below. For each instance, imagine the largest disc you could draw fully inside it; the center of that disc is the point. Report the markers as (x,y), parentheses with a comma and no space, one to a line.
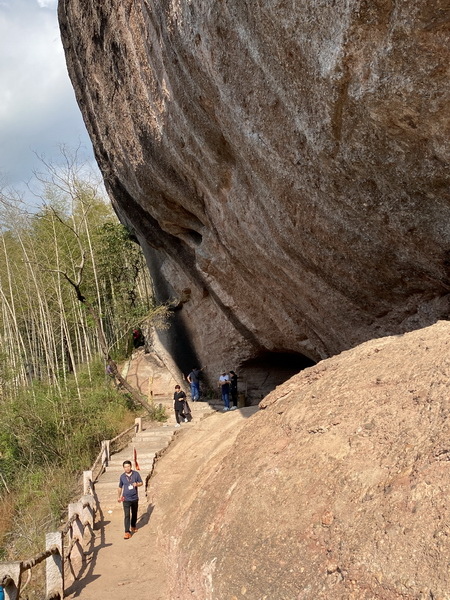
(284,164)
(338,489)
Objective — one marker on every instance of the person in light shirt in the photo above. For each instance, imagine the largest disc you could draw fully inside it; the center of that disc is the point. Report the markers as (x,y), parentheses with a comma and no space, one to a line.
(224,384)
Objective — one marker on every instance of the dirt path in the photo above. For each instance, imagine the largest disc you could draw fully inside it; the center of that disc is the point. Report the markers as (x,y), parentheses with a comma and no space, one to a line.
(116,567)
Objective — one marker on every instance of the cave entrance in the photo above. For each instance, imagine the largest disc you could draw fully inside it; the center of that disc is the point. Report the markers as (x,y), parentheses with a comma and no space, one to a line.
(261,374)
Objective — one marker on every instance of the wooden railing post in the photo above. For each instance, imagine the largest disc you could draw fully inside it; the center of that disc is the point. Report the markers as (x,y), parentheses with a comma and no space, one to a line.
(138,424)
(87,482)
(54,571)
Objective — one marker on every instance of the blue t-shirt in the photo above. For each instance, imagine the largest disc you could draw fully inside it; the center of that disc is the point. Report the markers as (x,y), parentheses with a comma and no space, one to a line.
(127,480)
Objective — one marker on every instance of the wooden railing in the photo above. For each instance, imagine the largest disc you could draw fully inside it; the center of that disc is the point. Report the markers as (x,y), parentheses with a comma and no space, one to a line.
(64,549)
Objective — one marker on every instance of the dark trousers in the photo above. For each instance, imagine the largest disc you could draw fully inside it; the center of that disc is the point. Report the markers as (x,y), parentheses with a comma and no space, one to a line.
(179,416)
(130,507)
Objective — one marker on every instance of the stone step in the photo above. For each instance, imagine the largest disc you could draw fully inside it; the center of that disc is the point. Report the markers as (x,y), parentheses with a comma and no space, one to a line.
(148,444)
(141,449)
(157,441)
(145,463)
(155,433)
(192,405)
(111,480)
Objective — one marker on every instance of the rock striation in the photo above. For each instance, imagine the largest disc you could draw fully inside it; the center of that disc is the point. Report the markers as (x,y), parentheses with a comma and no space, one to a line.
(283,164)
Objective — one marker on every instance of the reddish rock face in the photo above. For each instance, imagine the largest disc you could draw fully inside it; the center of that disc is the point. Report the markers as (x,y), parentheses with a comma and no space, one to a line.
(337,490)
(284,164)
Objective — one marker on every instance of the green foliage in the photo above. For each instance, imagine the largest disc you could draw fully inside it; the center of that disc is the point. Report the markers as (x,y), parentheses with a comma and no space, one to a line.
(47,427)
(56,403)
(45,331)
(47,437)
(159,413)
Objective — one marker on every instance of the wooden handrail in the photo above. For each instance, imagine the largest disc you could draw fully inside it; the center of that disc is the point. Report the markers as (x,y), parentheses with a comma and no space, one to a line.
(123,433)
(70,547)
(97,460)
(10,573)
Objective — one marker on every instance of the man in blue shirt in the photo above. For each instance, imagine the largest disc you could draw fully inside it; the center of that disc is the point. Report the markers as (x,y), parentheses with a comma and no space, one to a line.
(128,494)
(194,381)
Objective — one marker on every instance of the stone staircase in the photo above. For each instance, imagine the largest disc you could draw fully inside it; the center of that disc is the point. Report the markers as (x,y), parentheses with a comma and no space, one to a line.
(148,445)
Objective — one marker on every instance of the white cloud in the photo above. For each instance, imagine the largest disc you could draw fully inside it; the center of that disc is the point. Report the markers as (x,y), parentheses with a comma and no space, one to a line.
(38,111)
(47,3)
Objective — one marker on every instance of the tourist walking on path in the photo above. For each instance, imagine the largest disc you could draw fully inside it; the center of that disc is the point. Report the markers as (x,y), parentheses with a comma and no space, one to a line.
(128,494)
(194,381)
(234,389)
(224,384)
(179,400)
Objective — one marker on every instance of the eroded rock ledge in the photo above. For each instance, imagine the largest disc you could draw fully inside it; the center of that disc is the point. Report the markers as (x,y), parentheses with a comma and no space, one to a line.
(284,162)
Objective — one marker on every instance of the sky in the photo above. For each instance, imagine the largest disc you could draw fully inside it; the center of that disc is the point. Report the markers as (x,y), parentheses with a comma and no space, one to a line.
(38,110)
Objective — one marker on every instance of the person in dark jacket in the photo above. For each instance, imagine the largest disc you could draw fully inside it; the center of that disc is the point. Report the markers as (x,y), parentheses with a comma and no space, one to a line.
(234,389)
(138,338)
(179,400)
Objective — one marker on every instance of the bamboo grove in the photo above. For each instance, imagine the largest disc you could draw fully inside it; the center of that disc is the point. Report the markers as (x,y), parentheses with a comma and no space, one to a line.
(56,401)
(45,332)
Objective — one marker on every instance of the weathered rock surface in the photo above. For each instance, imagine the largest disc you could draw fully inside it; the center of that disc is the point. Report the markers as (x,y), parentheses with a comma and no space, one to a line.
(338,489)
(284,164)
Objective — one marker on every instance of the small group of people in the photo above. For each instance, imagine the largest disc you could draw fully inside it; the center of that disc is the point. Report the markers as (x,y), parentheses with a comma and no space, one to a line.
(228,384)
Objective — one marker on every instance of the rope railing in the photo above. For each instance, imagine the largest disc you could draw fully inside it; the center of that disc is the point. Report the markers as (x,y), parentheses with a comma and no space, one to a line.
(81,517)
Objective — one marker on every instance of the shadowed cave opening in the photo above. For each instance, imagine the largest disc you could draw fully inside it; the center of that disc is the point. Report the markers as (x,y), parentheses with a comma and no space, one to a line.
(261,374)
(192,237)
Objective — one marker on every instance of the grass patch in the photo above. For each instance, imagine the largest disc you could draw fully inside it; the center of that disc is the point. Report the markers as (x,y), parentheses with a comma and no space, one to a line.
(48,436)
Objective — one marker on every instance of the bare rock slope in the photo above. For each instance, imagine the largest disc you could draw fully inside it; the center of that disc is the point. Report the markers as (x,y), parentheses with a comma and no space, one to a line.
(337,489)
(284,164)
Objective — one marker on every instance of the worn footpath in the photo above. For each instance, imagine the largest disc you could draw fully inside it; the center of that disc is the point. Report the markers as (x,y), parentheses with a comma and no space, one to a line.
(115,567)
